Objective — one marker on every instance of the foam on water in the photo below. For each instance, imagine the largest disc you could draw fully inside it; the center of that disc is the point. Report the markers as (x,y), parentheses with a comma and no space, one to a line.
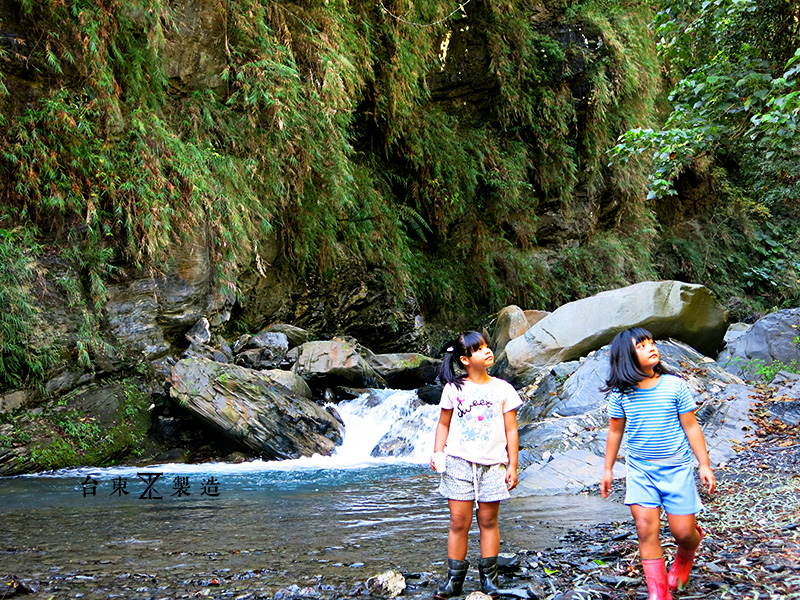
(367,419)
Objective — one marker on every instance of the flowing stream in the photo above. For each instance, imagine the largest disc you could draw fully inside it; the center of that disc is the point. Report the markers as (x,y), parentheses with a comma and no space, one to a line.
(251,529)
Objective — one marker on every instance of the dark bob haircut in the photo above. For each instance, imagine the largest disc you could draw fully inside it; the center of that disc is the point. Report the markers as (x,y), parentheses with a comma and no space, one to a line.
(625,371)
(463,345)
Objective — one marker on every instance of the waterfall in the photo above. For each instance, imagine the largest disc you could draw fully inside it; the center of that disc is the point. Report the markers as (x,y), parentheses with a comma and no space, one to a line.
(392,413)
(375,415)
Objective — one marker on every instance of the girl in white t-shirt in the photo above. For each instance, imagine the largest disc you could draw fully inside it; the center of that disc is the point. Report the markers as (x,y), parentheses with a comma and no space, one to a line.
(477,433)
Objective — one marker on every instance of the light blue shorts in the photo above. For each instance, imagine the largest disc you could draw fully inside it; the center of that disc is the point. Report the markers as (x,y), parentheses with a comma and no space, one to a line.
(462,479)
(653,484)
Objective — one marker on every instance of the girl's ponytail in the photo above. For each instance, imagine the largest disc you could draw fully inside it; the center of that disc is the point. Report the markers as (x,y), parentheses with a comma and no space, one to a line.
(463,345)
(446,371)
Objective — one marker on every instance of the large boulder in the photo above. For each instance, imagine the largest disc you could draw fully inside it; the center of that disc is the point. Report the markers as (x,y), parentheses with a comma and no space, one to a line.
(773,341)
(405,371)
(265,350)
(254,410)
(332,363)
(511,323)
(296,336)
(668,309)
(573,388)
(291,380)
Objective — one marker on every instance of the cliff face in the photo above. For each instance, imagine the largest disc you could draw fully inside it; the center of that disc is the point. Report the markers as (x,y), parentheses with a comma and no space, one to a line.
(327,165)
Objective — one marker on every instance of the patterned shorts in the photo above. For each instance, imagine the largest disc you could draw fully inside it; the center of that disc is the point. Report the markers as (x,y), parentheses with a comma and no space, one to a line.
(462,478)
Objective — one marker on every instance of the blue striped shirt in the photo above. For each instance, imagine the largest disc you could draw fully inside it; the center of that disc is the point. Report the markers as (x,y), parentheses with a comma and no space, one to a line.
(651,419)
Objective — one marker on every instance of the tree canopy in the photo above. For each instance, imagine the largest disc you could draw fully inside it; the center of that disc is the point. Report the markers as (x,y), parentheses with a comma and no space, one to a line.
(736,95)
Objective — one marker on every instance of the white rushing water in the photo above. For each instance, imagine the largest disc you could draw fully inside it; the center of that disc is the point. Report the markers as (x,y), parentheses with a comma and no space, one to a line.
(367,419)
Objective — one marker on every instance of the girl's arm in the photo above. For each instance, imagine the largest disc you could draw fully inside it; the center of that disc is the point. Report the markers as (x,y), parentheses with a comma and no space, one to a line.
(616,428)
(442,430)
(698,443)
(512,444)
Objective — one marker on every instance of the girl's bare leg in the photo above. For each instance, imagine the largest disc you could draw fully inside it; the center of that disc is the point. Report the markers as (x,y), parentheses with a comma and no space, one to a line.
(648,528)
(684,529)
(490,531)
(460,520)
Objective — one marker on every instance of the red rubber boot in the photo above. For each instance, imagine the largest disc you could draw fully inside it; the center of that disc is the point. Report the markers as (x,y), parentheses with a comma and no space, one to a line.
(655,572)
(679,572)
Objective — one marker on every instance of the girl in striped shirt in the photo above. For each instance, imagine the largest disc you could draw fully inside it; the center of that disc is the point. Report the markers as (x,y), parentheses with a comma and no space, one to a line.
(656,410)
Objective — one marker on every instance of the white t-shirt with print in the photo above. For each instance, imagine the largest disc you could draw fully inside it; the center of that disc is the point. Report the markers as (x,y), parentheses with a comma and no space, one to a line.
(477,428)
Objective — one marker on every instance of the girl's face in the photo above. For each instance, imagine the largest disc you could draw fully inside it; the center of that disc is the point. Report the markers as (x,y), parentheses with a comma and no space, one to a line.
(482,358)
(647,354)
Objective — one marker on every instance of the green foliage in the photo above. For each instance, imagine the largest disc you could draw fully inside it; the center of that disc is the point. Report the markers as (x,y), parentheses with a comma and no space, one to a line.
(57,454)
(736,95)
(762,371)
(21,363)
(61,434)
(320,133)
(535,102)
(741,254)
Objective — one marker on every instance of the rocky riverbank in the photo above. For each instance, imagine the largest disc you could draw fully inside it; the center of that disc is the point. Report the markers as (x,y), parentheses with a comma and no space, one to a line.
(752,547)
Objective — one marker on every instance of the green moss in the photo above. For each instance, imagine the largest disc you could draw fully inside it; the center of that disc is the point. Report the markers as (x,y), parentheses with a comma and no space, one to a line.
(57,454)
(61,436)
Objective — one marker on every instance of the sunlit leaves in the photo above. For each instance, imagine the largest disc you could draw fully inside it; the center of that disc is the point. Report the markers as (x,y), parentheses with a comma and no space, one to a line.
(735,92)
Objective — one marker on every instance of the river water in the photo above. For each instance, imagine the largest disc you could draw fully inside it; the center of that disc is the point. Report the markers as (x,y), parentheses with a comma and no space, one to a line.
(249,530)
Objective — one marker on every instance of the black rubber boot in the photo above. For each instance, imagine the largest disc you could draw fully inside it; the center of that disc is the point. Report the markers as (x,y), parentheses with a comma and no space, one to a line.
(487,567)
(456,572)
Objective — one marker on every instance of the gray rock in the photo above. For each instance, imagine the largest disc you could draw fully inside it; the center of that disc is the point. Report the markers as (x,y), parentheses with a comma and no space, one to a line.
(772,339)
(190,61)
(567,473)
(324,364)
(406,371)
(552,436)
(259,358)
(200,333)
(291,380)
(401,439)
(787,385)
(13,400)
(253,410)
(786,410)
(388,584)
(296,336)
(542,395)
(67,380)
(240,343)
(511,323)
(196,350)
(144,311)
(269,339)
(405,432)
(730,423)
(735,330)
(668,309)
